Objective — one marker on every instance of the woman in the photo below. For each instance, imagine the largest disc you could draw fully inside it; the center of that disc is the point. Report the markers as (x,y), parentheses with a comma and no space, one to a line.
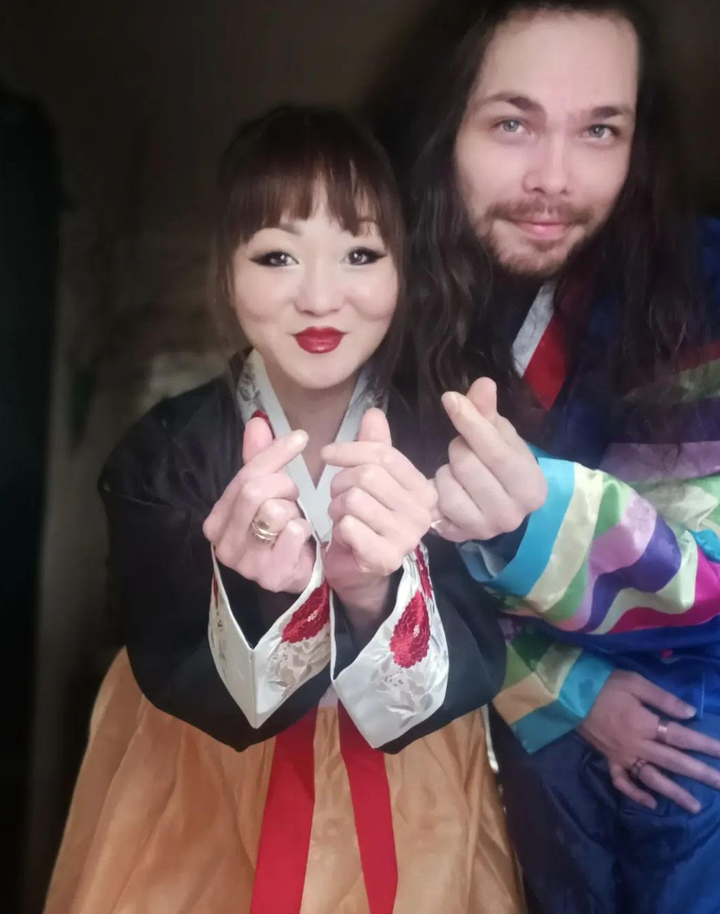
(240,782)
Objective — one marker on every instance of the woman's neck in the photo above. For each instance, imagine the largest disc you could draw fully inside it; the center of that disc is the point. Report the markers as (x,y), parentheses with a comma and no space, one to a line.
(317,412)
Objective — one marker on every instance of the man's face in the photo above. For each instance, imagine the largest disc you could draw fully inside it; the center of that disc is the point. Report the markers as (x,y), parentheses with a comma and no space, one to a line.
(544,146)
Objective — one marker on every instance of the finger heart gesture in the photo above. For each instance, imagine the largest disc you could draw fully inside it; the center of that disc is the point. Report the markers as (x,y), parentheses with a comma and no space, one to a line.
(381,508)
(256,526)
(492,480)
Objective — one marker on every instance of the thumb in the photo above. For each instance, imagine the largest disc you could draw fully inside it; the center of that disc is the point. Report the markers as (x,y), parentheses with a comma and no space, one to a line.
(660,700)
(483,396)
(374,427)
(257,438)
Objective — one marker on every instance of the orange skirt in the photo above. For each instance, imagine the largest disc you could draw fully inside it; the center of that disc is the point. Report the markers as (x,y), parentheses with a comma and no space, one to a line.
(166,820)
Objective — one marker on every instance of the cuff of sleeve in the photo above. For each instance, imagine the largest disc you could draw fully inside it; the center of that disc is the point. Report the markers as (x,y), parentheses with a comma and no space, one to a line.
(292,651)
(577,696)
(535,547)
(400,677)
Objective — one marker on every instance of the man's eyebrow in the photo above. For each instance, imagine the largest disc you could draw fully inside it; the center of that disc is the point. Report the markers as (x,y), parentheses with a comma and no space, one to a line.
(516,99)
(531,105)
(603,112)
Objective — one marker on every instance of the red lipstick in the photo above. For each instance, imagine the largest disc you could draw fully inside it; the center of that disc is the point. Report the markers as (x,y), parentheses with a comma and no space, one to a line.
(319,339)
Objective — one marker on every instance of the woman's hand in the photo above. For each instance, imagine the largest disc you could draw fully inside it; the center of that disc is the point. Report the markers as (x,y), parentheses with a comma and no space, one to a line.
(491,481)
(262,492)
(381,508)
(627,733)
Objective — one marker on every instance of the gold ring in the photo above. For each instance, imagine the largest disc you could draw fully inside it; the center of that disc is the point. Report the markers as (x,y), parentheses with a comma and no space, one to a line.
(662,731)
(262,531)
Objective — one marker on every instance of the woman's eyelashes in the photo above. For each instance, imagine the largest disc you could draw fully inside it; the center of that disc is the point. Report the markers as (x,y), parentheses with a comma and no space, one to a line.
(274,259)
(361,256)
(357,257)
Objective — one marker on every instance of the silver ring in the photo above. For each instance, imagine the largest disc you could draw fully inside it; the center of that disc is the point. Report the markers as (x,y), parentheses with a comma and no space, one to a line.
(262,531)
(662,731)
(637,767)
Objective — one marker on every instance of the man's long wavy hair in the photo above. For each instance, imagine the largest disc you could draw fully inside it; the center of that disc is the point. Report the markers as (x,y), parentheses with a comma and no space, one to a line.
(645,258)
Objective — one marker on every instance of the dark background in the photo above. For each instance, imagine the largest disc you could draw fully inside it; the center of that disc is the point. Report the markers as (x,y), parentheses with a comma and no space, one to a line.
(112,118)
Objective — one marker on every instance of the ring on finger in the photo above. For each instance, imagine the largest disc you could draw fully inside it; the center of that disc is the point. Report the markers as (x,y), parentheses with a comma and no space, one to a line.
(637,767)
(662,731)
(262,531)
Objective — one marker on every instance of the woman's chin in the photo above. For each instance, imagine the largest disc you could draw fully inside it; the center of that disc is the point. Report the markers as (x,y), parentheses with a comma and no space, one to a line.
(323,377)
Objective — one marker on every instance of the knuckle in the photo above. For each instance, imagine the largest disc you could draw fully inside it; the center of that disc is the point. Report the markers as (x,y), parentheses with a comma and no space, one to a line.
(354,499)
(368,475)
(535,499)
(386,457)
(251,491)
(272,585)
(510,518)
(224,554)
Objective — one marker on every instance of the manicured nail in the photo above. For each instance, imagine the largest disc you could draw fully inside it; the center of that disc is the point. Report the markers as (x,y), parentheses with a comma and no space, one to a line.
(298,439)
(688,710)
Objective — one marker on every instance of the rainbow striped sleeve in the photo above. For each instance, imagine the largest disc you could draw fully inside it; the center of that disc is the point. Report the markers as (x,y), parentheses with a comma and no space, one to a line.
(549,687)
(599,557)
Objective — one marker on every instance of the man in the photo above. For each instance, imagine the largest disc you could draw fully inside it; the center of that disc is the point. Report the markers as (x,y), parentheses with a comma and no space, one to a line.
(553,255)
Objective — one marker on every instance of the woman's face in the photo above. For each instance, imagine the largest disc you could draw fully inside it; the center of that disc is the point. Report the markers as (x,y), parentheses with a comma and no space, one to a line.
(313,299)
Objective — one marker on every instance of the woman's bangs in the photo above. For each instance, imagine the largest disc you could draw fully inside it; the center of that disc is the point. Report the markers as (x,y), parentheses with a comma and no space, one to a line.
(294,188)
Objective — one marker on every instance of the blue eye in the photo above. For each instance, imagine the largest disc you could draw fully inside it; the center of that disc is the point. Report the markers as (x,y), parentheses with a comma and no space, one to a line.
(359,257)
(274,259)
(511,125)
(601,131)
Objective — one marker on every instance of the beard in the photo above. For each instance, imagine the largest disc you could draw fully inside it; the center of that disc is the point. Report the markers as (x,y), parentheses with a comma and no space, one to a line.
(525,257)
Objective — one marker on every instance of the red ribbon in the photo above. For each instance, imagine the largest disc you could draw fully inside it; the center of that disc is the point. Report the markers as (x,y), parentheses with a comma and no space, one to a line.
(287,822)
(370,795)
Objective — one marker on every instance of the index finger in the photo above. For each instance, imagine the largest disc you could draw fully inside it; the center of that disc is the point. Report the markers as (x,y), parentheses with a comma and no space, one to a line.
(481,435)
(275,457)
(272,460)
(359,453)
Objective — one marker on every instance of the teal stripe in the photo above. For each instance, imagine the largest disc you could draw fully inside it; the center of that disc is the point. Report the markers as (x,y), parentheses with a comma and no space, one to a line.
(520,574)
(579,691)
(709,544)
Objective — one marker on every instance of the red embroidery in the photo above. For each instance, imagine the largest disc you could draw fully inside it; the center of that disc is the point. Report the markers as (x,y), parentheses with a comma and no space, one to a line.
(424,573)
(259,414)
(310,619)
(411,638)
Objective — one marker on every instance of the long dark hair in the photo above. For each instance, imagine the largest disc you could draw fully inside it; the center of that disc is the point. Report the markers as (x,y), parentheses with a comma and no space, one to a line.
(274,167)
(645,257)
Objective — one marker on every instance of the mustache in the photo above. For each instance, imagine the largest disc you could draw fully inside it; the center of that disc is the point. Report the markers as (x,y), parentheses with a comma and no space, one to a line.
(527,210)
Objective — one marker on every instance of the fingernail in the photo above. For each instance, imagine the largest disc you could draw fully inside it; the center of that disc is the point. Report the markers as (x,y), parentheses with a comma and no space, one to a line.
(451,402)
(696,807)
(298,439)
(688,710)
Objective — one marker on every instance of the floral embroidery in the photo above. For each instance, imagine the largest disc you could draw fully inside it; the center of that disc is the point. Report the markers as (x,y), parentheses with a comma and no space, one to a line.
(411,637)
(423,572)
(310,619)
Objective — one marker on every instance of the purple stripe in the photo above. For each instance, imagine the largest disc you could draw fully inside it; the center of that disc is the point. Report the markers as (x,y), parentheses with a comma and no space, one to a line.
(653,462)
(651,572)
(616,548)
